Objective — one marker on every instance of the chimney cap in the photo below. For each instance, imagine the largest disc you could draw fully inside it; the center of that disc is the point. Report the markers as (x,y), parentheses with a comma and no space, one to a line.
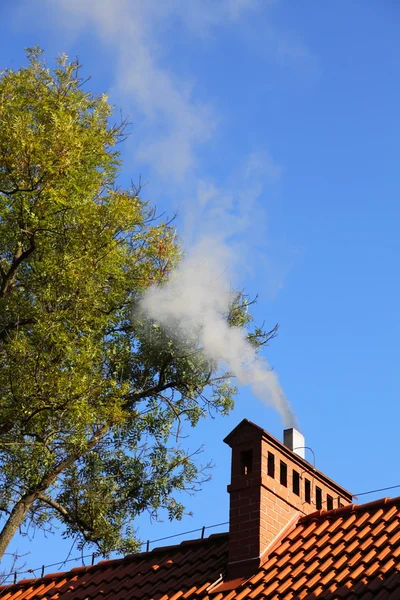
(294,440)
(245,422)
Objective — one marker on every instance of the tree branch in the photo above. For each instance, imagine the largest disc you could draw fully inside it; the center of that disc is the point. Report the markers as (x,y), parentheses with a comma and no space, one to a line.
(84,528)
(51,477)
(19,257)
(130,399)
(23,190)
(12,326)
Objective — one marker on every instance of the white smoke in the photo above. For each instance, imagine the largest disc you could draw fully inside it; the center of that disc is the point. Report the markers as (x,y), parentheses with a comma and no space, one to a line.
(194,302)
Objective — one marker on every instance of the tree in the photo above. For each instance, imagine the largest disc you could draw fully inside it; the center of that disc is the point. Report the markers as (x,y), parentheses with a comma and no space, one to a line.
(91,393)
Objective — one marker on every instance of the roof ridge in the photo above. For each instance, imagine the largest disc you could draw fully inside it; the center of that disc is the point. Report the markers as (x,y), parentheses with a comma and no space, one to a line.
(133,557)
(349,508)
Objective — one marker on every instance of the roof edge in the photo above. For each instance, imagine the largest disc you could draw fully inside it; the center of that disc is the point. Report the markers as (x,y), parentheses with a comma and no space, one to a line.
(350,508)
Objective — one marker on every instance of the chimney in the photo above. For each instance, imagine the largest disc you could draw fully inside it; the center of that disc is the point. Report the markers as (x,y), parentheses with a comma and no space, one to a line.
(271,484)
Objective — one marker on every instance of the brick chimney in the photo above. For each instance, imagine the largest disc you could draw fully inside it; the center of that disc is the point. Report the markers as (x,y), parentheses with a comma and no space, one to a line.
(271,484)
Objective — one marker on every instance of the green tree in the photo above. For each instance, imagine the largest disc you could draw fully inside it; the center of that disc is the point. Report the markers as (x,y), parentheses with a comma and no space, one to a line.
(91,394)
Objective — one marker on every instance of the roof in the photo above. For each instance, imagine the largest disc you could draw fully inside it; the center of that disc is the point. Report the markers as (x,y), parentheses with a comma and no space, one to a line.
(351,552)
(167,572)
(347,553)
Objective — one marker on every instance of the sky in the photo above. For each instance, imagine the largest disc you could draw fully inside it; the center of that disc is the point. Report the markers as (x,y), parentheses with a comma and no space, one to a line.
(272,128)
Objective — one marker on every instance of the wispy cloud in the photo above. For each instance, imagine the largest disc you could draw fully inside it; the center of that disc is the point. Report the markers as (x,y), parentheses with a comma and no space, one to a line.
(234,216)
(229,211)
(176,123)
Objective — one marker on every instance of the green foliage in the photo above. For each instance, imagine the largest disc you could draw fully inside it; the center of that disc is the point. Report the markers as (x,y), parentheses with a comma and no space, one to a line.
(92,397)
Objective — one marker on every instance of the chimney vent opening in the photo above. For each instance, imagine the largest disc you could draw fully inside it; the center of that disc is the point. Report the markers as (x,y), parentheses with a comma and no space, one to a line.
(271,465)
(246,459)
(283,474)
(318,498)
(307,491)
(296,483)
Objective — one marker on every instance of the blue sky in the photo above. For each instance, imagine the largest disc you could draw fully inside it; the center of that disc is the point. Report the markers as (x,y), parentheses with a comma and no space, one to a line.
(277,124)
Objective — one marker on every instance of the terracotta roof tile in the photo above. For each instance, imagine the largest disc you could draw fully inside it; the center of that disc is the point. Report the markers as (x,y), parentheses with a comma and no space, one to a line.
(268,575)
(256,578)
(381,541)
(257,591)
(284,546)
(283,560)
(324,540)
(285,586)
(343,575)
(366,543)
(341,561)
(393,512)
(271,588)
(388,565)
(353,547)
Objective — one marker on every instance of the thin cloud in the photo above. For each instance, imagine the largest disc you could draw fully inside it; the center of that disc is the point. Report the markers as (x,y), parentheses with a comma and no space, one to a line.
(229,211)
(176,123)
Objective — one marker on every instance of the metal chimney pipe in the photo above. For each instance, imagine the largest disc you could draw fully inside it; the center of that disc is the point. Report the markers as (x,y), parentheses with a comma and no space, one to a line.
(294,440)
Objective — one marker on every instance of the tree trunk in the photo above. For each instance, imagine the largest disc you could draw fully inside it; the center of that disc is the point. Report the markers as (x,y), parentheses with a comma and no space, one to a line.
(23,505)
(14,521)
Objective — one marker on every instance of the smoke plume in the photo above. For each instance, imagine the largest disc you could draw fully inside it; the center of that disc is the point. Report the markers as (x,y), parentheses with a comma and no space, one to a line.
(194,302)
